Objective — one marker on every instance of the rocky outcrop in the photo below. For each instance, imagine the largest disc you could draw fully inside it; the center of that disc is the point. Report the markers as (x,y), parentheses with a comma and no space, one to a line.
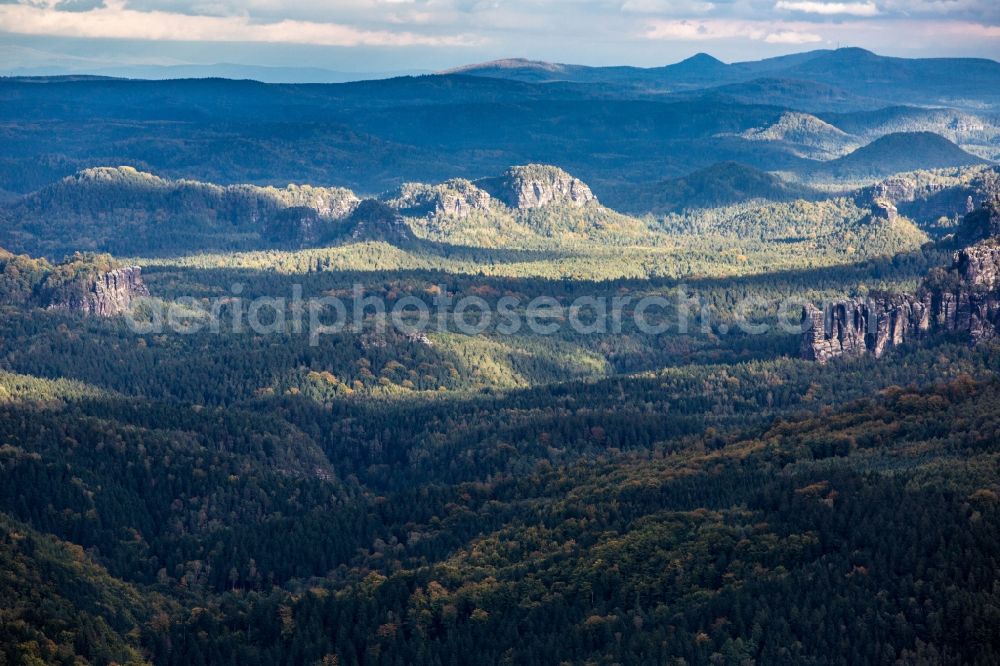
(519,187)
(330,203)
(455,198)
(964,299)
(979,265)
(857,327)
(535,186)
(374,220)
(460,198)
(929,196)
(103,294)
(884,209)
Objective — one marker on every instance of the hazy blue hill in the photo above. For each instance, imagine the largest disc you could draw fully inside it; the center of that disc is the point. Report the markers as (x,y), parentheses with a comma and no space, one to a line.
(898,152)
(698,64)
(369,136)
(534,71)
(865,72)
(699,69)
(765,66)
(805,136)
(261,73)
(978,133)
(859,73)
(247,99)
(791,93)
(718,185)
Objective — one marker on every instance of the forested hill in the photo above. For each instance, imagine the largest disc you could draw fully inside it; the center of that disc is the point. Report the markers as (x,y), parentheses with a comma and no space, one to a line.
(898,152)
(125,211)
(129,212)
(721,184)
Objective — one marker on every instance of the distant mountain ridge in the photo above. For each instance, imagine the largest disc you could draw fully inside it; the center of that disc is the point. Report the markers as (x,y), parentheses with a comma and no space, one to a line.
(857,72)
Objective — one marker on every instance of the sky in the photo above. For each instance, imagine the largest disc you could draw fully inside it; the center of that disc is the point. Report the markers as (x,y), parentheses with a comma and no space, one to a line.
(394,36)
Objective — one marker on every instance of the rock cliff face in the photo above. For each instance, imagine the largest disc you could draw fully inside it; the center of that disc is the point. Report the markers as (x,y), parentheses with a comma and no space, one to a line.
(103,295)
(535,185)
(461,198)
(884,209)
(330,203)
(374,220)
(930,196)
(854,328)
(963,299)
(455,198)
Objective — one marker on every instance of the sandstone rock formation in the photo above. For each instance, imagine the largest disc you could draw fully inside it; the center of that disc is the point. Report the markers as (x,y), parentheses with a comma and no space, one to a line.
(929,196)
(456,198)
(853,327)
(962,299)
(374,220)
(103,295)
(330,203)
(884,209)
(460,198)
(535,185)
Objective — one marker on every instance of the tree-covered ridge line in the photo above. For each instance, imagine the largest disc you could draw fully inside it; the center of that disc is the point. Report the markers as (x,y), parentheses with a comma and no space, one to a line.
(122,209)
(535,207)
(653,577)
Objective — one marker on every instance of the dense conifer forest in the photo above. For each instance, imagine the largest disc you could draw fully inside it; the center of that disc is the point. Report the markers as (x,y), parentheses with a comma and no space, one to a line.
(195,469)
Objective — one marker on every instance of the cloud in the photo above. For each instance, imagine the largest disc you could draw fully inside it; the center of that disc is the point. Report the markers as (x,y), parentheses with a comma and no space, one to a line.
(972,30)
(828,8)
(668,7)
(771,32)
(78,5)
(114,20)
(792,37)
(987,11)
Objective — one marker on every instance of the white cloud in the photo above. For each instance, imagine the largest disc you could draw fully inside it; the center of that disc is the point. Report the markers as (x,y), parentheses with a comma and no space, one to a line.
(668,7)
(792,37)
(771,32)
(116,21)
(828,8)
(972,30)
